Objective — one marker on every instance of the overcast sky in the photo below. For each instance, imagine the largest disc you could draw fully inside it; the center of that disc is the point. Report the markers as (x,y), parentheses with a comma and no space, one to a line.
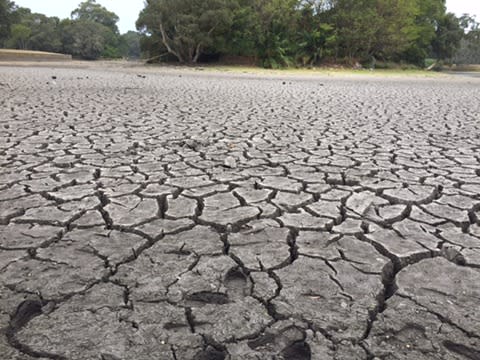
(128,10)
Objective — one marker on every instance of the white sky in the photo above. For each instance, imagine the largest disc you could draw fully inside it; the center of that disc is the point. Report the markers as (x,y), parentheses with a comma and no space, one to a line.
(128,10)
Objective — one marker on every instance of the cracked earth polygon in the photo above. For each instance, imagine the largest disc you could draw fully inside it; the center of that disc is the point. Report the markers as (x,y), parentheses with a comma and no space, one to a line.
(184,215)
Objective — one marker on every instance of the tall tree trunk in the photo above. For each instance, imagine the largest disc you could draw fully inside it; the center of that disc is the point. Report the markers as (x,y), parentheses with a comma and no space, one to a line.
(197,52)
(190,54)
(165,41)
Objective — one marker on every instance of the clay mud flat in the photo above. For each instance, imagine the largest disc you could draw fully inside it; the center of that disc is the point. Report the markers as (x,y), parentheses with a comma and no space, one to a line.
(157,214)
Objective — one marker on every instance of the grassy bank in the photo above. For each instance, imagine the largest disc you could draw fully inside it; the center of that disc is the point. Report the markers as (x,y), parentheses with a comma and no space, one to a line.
(27,55)
(324,71)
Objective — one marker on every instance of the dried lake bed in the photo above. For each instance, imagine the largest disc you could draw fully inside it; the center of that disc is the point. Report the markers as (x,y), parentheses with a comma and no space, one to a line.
(151,213)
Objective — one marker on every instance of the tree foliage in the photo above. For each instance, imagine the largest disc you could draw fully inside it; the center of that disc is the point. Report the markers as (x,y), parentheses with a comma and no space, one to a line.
(90,33)
(130,45)
(19,36)
(305,32)
(448,36)
(95,31)
(469,48)
(89,10)
(273,36)
(89,39)
(275,33)
(7,19)
(186,27)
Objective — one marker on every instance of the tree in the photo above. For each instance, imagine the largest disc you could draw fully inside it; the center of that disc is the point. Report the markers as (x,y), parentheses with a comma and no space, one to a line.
(91,11)
(314,44)
(7,9)
(82,38)
(130,45)
(356,23)
(103,39)
(395,27)
(34,31)
(20,34)
(372,28)
(44,34)
(275,31)
(315,36)
(92,32)
(469,49)
(66,31)
(239,40)
(284,32)
(448,35)
(428,13)
(186,27)
(88,39)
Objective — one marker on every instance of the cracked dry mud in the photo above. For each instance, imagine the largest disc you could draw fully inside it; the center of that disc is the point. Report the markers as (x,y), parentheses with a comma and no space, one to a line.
(194,216)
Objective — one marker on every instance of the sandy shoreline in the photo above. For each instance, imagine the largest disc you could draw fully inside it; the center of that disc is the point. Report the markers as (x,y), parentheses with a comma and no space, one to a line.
(240,71)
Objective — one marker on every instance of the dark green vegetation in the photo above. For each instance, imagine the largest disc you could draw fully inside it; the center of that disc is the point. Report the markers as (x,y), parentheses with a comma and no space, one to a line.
(90,33)
(307,32)
(469,51)
(272,33)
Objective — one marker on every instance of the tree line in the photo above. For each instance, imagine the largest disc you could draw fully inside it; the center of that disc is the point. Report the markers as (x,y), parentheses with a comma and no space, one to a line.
(90,33)
(307,32)
(272,33)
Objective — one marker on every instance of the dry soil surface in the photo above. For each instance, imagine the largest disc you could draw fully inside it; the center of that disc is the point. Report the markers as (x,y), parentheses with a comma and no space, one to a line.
(160,214)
